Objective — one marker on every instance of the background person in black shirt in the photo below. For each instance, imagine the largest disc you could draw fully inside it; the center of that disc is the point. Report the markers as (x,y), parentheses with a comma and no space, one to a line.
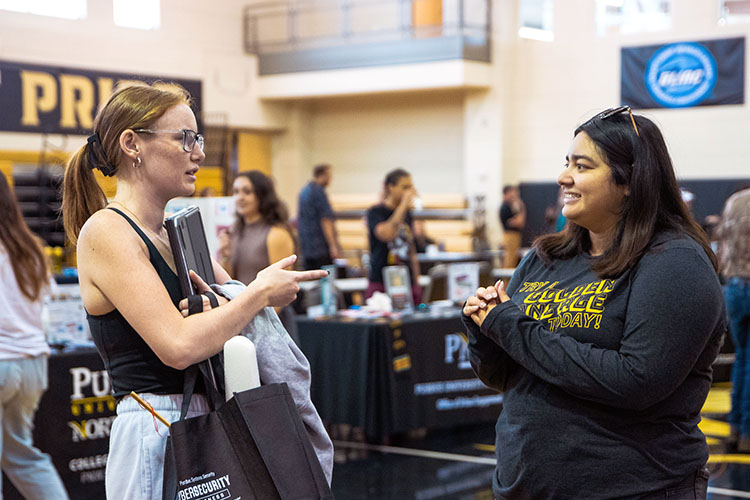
(391,233)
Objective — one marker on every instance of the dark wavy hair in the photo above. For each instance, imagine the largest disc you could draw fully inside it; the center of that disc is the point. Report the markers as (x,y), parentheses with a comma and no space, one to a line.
(392,177)
(24,247)
(272,210)
(653,205)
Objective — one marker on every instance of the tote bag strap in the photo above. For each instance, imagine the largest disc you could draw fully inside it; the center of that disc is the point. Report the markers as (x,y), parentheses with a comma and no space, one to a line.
(188,386)
(208,368)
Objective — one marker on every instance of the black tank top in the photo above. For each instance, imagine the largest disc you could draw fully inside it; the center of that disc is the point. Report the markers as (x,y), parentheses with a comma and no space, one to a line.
(130,362)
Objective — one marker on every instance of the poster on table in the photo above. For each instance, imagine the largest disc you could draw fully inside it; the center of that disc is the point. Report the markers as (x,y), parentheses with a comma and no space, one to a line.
(683,74)
(398,287)
(463,281)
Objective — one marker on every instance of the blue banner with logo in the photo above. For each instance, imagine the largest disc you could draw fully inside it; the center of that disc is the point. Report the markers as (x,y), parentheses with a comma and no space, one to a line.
(684,74)
(56,100)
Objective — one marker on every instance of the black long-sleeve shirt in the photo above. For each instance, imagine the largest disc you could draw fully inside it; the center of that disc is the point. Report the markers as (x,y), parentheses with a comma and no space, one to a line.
(603,379)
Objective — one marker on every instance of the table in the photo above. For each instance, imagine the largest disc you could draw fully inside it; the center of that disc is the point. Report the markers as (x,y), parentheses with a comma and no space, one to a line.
(428,260)
(503,273)
(350,285)
(72,423)
(390,376)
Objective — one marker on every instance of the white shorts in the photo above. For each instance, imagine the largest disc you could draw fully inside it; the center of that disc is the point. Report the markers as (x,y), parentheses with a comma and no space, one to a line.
(136,450)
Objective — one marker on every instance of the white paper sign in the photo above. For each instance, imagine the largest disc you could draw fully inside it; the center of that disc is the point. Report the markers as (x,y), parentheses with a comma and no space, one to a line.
(463,280)
(398,287)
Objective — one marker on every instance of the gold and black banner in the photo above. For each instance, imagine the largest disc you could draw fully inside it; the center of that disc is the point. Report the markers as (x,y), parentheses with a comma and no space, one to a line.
(58,100)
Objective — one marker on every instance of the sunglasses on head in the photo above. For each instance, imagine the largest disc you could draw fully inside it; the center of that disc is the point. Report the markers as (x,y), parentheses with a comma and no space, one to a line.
(616,111)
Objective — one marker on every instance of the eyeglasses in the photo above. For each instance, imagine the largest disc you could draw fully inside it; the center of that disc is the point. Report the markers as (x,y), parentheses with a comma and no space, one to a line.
(616,111)
(189,137)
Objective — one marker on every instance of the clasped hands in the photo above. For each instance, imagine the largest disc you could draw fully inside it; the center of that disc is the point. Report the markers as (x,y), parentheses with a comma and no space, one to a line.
(479,305)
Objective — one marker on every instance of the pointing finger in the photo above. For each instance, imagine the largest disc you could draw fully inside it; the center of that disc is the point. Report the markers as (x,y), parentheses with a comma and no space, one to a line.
(310,275)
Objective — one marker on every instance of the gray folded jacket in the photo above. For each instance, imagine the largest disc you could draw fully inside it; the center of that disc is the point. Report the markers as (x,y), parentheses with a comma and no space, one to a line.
(280,360)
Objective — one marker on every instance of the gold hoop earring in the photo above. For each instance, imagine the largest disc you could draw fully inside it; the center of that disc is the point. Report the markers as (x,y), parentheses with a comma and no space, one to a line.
(137,162)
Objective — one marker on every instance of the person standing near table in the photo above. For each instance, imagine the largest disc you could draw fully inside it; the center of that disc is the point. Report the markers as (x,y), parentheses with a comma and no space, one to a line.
(23,353)
(391,233)
(145,136)
(513,219)
(316,223)
(260,234)
(734,232)
(604,341)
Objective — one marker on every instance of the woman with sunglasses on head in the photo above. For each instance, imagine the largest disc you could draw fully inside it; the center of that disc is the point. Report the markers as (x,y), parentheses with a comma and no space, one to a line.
(604,339)
(146,137)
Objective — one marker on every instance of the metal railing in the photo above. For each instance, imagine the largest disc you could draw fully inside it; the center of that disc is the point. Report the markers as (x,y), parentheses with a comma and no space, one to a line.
(307,24)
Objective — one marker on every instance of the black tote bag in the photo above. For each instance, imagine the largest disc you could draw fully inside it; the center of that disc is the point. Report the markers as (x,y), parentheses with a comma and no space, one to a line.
(252,447)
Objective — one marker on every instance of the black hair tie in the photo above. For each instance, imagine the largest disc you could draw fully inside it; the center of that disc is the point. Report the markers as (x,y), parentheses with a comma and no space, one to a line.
(98,157)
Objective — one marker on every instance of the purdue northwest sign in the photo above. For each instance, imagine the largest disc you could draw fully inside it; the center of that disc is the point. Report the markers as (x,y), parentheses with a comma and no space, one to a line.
(55,100)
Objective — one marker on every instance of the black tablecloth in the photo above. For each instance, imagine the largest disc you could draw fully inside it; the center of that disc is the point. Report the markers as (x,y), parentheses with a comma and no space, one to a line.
(389,376)
(72,423)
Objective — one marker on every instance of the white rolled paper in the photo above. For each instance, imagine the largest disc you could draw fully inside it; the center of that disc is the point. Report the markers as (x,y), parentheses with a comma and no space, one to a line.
(240,366)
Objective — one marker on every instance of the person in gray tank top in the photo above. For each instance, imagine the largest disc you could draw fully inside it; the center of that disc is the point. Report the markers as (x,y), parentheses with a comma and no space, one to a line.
(260,234)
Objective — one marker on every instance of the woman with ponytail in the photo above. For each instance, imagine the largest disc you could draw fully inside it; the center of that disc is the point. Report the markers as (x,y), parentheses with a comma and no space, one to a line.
(25,282)
(147,138)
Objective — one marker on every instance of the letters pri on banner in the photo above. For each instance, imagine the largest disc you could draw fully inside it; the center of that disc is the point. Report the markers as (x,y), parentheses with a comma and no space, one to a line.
(684,74)
(55,100)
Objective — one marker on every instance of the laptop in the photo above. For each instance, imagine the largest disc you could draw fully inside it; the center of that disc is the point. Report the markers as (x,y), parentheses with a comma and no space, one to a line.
(189,247)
